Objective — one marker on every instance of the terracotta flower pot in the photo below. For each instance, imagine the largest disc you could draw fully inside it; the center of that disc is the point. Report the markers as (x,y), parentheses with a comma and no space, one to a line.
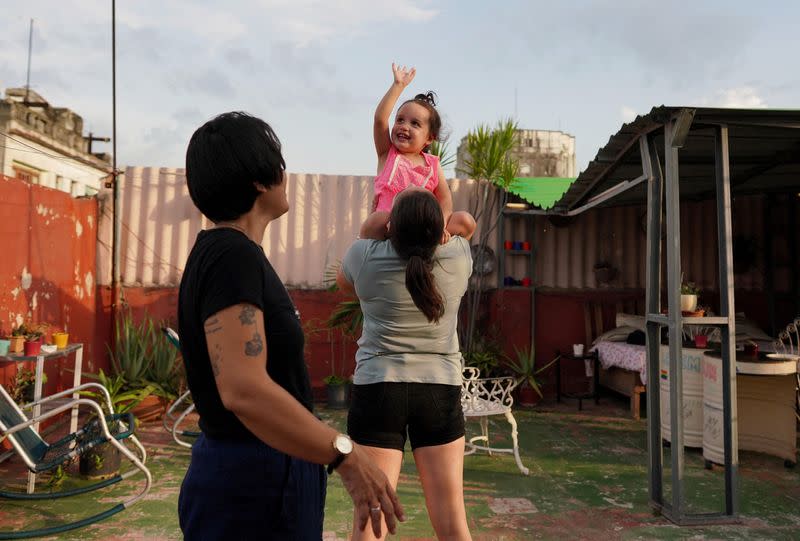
(150,409)
(526,396)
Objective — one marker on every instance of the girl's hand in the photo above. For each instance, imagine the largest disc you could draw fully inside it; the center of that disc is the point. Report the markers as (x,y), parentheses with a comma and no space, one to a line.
(403,76)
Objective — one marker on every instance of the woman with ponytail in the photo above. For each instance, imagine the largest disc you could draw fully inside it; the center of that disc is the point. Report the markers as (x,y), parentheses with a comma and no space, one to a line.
(407,381)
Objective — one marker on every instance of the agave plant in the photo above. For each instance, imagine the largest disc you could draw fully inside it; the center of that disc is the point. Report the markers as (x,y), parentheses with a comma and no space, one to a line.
(525,370)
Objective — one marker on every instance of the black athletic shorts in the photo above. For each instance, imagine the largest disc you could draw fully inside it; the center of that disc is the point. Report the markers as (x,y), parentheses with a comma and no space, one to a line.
(381,414)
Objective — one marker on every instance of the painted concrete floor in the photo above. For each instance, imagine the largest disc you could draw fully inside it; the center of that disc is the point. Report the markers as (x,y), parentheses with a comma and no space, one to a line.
(588,480)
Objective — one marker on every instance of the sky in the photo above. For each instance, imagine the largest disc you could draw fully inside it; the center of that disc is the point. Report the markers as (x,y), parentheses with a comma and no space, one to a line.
(316,69)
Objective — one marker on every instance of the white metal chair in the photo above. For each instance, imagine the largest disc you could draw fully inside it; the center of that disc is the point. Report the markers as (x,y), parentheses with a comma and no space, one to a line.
(482,398)
(41,456)
(789,342)
(171,421)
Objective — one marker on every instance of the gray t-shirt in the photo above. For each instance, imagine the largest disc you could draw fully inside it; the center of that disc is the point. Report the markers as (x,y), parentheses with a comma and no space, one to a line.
(397,342)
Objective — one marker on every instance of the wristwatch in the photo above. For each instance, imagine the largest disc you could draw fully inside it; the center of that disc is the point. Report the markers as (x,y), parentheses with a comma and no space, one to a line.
(343,445)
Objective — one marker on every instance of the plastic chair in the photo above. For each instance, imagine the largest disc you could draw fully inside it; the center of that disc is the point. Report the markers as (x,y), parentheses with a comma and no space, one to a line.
(483,397)
(41,456)
(171,421)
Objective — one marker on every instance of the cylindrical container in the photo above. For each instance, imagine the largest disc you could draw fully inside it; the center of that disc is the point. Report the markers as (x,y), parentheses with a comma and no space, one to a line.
(33,347)
(692,397)
(60,339)
(701,341)
(713,422)
(526,282)
(526,245)
(4,344)
(517,245)
(16,344)
(508,245)
(577,350)
(508,281)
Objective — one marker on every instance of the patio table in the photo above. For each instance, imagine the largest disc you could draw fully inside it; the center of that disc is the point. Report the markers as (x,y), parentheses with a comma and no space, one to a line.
(40,359)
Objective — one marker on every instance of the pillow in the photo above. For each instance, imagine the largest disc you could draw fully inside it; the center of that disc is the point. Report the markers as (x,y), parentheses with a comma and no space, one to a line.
(630,320)
(617,334)
(747,329)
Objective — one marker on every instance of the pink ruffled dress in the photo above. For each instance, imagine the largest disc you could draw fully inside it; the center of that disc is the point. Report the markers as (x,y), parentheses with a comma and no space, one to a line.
(398,174)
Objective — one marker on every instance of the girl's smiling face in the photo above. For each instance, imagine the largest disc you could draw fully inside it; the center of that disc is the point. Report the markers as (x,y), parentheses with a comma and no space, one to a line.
(411,131)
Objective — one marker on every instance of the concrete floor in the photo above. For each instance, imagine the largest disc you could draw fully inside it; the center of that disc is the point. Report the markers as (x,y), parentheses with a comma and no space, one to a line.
(588,480)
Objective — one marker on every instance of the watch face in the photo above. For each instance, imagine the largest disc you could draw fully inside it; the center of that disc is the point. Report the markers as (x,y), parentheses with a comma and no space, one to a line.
(343,444)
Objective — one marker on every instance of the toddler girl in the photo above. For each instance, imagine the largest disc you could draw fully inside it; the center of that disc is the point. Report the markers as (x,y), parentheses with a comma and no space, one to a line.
(403,162)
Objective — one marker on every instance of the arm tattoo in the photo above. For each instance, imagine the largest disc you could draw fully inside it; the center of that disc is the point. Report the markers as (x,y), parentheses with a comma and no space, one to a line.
(212,325)
(216,357)
(248,315)
(254,346)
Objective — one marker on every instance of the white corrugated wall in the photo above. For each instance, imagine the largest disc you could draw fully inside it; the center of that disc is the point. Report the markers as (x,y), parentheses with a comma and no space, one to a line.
(160,224)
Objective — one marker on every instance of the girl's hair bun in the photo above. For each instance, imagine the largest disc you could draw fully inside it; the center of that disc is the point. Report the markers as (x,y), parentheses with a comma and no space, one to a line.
(429,97)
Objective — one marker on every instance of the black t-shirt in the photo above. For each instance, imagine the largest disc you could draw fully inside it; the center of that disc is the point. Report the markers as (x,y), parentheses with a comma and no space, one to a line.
(226,268)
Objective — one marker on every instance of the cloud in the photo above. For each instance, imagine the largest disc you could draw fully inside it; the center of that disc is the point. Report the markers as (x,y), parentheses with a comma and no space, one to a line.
(628,113)
(305,22)
(743,97)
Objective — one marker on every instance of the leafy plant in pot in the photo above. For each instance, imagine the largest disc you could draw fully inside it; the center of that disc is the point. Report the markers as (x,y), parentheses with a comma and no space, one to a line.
(103,461)
(525,372)
(146,362)
(347,319)
(689,293)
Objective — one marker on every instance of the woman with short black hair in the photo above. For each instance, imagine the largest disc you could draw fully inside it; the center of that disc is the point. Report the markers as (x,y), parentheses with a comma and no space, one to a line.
(256,471)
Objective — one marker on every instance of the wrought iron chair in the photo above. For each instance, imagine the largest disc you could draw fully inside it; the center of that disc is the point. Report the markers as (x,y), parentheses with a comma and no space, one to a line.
(40,456)
(788,342)
(482,398)
(172,420)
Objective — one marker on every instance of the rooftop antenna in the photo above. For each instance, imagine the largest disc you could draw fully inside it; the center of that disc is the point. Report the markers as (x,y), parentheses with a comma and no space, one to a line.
(30,48)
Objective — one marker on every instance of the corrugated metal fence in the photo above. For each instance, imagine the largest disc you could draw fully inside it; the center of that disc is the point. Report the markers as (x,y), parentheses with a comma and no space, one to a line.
(160,224)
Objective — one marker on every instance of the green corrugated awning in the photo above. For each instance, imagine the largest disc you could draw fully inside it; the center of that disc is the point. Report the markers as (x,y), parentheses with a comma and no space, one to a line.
(541,191)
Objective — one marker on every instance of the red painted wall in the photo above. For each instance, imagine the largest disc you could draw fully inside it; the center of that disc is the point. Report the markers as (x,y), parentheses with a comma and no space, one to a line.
(47,271)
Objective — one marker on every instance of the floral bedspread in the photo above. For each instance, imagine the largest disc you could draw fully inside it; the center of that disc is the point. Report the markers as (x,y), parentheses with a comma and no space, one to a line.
(623,355)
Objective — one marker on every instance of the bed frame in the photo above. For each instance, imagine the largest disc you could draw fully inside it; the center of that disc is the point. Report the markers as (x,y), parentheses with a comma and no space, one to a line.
(599,317)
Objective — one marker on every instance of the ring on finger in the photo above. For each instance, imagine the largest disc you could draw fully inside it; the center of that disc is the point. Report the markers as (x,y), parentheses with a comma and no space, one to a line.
(375,509)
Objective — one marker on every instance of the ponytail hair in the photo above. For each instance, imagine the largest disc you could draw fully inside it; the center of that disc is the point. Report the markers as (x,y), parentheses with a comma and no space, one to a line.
(416,225)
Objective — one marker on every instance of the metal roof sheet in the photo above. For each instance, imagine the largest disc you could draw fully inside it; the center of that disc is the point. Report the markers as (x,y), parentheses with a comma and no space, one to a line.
(764,155)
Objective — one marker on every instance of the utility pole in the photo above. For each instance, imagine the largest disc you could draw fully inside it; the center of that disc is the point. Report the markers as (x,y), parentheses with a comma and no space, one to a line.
(30,49)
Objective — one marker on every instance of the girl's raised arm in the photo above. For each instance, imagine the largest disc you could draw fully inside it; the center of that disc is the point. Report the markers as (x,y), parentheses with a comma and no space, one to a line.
(402,77)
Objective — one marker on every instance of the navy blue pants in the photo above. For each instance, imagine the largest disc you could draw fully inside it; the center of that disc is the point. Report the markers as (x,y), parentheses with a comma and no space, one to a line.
(248,490)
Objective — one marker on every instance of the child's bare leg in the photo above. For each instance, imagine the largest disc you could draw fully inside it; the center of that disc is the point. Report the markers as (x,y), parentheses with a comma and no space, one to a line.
(461,223)
(374,227)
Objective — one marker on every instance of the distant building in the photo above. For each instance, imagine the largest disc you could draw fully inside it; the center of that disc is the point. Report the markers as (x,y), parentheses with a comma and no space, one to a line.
(541,153)
(42,144)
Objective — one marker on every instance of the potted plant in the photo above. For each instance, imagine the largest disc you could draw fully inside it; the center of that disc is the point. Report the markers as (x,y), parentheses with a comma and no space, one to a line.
(689,292)
(348,318)
(529,390)
(17,339)
(33,340)
(103,461)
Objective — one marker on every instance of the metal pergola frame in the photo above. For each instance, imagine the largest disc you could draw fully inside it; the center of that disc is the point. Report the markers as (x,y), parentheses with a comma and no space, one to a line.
(663,194)
(767,162)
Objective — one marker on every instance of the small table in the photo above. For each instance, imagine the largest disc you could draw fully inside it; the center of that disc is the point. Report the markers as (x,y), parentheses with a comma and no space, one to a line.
(594,392)
(37,387)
